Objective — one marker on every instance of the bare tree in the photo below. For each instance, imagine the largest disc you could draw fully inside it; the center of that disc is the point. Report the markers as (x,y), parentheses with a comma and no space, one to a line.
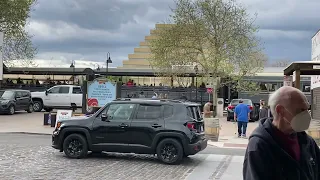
(216,35)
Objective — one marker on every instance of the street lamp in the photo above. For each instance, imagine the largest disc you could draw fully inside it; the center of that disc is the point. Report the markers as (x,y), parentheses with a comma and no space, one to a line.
(72,65)
(196,70)
(107,62)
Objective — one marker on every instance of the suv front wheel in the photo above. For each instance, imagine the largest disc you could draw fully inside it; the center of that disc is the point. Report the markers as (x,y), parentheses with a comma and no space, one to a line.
(75,146)
(170,151)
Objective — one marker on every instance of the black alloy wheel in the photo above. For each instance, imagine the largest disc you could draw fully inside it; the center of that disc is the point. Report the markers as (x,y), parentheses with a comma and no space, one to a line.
(170,151)
(12,110)
(75,146)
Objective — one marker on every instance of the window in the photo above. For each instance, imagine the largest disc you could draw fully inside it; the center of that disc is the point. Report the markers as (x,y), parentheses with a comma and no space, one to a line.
(25,94)
(64,90)
(235,102)
(76,90)
(6,94)
(194,112)
(167,110)
(148,112)
(54,90)
(18,94)
(119,111)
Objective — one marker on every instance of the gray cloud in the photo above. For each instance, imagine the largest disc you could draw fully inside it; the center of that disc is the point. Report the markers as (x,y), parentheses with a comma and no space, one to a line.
(82,29)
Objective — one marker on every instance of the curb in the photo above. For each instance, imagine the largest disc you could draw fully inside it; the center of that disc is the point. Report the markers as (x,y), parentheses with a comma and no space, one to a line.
(28,133)
(227,145)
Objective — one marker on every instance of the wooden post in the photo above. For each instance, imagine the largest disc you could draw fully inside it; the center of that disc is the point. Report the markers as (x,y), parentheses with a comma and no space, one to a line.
(297,82)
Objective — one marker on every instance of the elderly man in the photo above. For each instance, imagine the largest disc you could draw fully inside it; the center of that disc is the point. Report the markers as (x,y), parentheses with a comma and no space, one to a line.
(207,113)
(279,148)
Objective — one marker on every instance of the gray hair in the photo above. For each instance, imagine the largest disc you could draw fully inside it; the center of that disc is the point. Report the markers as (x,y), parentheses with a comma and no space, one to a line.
(274,100)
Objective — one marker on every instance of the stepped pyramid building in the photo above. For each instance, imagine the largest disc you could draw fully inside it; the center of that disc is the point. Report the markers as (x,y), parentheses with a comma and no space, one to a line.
(139,59)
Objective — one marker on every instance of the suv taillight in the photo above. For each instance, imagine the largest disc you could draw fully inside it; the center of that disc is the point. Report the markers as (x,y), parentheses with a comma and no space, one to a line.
(250,107)
(191,126)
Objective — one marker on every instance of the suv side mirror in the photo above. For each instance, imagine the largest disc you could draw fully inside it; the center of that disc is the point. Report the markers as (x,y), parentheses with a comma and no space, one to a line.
(104,117)
(46,92)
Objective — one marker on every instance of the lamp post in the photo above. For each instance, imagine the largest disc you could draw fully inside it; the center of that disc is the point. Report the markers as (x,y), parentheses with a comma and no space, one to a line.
(196,70)
(72,65)
(107,62)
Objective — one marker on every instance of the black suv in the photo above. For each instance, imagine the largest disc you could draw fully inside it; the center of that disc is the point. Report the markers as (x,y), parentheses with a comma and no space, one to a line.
(13,100)
(170,129)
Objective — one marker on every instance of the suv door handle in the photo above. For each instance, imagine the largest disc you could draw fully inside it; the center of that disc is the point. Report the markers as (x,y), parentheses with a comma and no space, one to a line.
(156,125)
(123,125)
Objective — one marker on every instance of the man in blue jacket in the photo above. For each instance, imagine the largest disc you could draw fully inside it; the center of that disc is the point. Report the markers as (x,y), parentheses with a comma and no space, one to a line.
(279,148)
(242,115)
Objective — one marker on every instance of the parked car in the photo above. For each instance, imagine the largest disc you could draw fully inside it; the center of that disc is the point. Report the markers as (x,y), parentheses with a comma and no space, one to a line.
(57,97)
(254,114)
(168,128)
(13,100)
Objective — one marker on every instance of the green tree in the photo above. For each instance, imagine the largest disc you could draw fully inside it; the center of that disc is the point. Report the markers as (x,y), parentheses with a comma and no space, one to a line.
(17,42)
(217,36)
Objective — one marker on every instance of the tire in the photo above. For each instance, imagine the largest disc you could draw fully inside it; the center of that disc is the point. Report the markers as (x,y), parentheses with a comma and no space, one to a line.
(74,139)
(30,108)
(12,110)
(37,106)
(169,144)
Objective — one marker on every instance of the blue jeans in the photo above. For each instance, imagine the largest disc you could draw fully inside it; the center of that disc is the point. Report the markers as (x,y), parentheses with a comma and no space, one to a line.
(242,128)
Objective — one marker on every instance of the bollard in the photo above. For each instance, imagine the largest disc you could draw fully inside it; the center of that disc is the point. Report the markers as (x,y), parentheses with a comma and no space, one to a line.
(45,118)
(53,119)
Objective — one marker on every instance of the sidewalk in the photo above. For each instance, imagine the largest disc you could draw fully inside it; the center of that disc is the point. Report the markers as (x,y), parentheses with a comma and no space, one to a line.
(23,122)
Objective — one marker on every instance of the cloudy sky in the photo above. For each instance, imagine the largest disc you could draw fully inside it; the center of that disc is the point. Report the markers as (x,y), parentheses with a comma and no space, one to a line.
(85,30)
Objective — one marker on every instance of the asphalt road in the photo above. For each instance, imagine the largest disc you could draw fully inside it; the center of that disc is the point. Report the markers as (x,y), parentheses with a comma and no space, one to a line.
(31,157)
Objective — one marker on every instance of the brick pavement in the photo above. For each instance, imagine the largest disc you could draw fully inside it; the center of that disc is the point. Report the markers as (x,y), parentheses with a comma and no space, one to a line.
(23,160)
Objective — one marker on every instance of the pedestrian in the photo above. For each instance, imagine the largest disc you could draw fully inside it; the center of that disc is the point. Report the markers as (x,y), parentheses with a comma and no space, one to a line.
(155,95)
(263,112)
(207,113)
(279,148)
(242,116)
(141,95)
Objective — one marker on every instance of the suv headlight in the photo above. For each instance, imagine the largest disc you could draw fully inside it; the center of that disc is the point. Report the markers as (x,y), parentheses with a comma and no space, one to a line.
(5,102)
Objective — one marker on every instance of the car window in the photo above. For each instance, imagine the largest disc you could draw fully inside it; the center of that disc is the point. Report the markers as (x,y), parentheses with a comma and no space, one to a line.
(148,112)
(76,90)
(25,94)
(6,94)
(167,111)
(54,90)
(194,112)
(235,102)
(18,94)
(64,90)
(119,111)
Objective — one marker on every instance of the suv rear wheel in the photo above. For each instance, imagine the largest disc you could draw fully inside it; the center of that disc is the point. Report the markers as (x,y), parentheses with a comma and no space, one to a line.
(75,146)
(170,151)
(30,108)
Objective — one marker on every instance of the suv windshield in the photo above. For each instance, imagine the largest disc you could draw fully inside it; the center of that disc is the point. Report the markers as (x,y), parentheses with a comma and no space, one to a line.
(6,94)
(235,102)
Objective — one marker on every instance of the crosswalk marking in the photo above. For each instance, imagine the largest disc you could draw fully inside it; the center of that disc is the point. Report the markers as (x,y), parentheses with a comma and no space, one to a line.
(214,167)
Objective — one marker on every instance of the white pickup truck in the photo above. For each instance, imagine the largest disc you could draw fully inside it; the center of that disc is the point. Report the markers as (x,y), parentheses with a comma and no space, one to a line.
(57,97)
